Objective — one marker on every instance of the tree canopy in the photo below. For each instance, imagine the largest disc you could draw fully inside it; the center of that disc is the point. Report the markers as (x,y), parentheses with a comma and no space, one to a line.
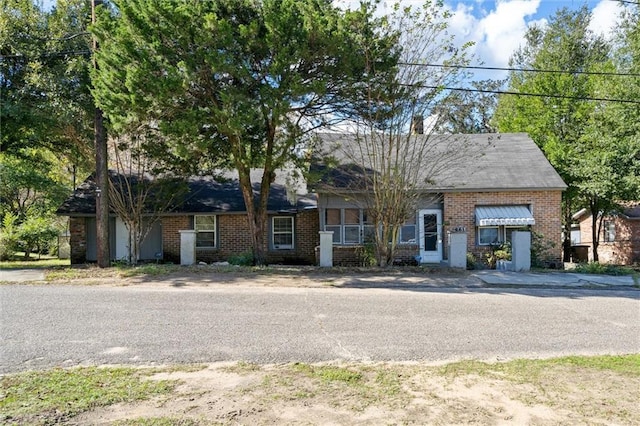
(233,84)
(557,125)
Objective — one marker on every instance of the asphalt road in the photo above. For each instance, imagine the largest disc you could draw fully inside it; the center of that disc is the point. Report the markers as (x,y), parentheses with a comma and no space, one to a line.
(44,326)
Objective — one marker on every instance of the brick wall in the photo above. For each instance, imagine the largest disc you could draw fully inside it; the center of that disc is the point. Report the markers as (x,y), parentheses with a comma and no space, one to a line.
(78,240)
(234,239)
(459,210)
(624,250)
(171,225)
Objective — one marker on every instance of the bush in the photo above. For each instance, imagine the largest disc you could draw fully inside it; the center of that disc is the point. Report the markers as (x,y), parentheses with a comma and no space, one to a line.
(8,237)
(36,233)
(472,262)
(540,248)
(242,259)
(604,269)
(498,252)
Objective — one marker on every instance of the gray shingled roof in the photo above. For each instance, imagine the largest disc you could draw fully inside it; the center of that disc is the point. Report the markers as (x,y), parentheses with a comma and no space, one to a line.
(478,162)
(205,195)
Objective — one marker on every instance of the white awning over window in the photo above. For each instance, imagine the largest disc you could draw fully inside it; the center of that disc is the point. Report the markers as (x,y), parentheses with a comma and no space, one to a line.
(504,216)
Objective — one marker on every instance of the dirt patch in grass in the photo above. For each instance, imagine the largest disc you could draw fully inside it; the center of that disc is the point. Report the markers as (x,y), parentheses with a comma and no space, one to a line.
(523,392)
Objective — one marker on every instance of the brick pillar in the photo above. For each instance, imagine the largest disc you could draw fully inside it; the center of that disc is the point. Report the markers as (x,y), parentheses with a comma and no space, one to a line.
(78,240)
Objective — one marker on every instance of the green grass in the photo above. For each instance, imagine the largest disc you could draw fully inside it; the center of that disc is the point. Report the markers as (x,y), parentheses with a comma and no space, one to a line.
(35,263)
(53,396)
(329,373)
(527,369)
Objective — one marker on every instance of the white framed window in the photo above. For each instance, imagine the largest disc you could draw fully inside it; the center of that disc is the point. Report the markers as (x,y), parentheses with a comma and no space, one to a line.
(205,227)
(282,232)
(408,232)
(609,231)
(491,235)
(488,235)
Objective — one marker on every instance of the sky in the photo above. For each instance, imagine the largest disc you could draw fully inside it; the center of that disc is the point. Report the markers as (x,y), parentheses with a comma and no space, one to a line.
(498,26)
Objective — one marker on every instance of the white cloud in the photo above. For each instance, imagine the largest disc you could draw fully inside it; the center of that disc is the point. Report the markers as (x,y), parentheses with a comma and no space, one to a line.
(605,17)
(497,33)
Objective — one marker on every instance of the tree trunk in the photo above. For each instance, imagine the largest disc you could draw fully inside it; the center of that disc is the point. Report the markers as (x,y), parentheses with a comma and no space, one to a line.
(102,173)
(595,235)
(566,241)
(256,214)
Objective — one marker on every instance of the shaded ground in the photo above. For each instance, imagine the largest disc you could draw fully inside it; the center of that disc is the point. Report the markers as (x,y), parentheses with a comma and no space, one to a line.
(302,394)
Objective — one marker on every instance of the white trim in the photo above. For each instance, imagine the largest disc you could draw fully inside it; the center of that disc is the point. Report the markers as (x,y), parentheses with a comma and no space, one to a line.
(206,230)
(430,256)
(273,233)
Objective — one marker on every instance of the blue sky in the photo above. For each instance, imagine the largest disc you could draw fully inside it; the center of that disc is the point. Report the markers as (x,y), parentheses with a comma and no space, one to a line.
(498,27)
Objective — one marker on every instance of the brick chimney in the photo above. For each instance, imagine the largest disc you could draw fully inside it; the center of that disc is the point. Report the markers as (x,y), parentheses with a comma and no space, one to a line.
(417,125)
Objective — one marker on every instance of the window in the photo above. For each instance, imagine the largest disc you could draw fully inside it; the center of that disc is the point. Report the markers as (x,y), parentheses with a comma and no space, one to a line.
(282,232)
(609,231)
(332,223)
(352,226)
(488,235)
(206,231)
(408,232)
(355,226)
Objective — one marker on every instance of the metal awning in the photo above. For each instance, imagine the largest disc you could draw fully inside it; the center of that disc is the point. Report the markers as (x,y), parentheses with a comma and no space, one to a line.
(504,215)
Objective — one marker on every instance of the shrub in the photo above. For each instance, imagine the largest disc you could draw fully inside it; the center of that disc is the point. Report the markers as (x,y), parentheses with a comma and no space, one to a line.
(540,248)
(472,262)
(8,237)
(242,259)
(605,269)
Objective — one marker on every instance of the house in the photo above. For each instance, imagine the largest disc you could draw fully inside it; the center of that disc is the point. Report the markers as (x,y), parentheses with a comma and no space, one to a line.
(619,241)
(216,210)
(487,185)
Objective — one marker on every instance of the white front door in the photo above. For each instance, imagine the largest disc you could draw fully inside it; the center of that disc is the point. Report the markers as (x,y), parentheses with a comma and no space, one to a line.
(430,233)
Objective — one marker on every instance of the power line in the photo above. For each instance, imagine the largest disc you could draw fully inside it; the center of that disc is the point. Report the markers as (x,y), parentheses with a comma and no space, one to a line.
(520,69)
(538,95)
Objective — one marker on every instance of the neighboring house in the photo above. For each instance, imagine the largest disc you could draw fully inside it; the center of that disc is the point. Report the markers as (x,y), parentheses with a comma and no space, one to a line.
(217,211)
(619,237)
(496,184)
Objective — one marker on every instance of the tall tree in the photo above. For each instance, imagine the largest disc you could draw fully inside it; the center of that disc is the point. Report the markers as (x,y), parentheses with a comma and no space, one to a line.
(239,82)
(556,124)
(608,162)
(45,101)
(396,167)
(468,112)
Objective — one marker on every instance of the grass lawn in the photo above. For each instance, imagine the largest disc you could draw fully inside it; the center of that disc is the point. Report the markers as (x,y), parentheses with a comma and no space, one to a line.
(34,262)
(576,390)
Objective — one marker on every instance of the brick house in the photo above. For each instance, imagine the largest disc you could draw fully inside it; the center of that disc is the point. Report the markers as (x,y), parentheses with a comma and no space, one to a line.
(216,211)
(491,185)
(619,241)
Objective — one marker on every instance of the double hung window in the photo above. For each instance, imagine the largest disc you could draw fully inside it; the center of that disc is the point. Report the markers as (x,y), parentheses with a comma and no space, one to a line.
(609,231)
(282,232)
(205,227)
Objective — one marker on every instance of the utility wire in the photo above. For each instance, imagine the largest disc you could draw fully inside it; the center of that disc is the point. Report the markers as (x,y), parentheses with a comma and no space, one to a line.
(537,95)
(416,64)
(459,89)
